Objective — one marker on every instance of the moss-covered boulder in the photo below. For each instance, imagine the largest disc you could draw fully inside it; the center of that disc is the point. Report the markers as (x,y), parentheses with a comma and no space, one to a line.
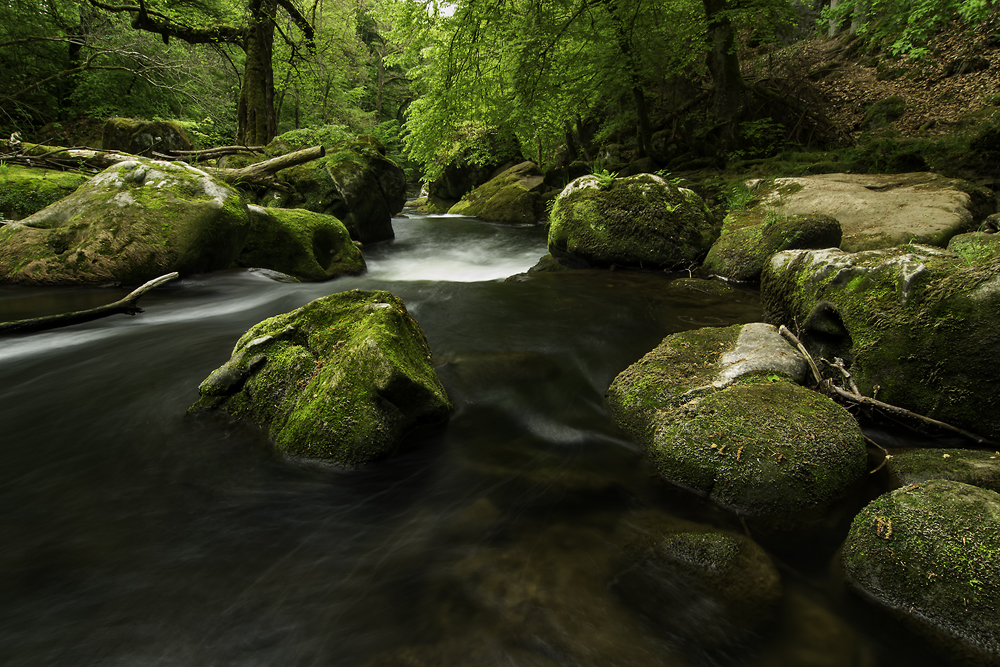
(881,210)
(132,222)
(969,466)
(720,414)
(747,241)
(303,244)
(730,586)
(975,247)
(641,221)
(353,182)
(138,137)
(512,197)
(26,190)
(920,323)
(341,379)
(928,554)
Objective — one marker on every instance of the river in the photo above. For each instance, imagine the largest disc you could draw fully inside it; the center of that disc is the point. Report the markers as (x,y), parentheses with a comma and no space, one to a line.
(133,535)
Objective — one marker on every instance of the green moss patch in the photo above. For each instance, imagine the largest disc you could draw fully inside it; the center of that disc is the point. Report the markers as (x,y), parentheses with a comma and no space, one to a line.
(928,552)
(342,379)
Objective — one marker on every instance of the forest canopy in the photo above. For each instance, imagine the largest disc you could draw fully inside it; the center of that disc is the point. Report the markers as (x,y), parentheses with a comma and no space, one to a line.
(548,80)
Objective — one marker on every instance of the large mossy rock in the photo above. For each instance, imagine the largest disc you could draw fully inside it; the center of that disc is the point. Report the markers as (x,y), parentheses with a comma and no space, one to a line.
(920,323)
(720,414)
(303,244)
(641,221)
(353,182)
(134,221)
(970,466)
(747,242)
(928,553)
(341,379)
(512,197)
(26,190)
(882,210)
(138,137)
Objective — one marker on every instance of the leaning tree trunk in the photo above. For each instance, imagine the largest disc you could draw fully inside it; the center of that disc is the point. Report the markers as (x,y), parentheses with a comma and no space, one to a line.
(256,122)
(724,66)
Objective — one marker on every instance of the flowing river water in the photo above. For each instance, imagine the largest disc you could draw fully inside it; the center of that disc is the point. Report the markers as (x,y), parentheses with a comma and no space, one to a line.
(133,535)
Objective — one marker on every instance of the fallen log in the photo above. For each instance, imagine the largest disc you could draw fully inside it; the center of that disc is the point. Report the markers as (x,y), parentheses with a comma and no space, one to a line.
(126,305)
(261,174)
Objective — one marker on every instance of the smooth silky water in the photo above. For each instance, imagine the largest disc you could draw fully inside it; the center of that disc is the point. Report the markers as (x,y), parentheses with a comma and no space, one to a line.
(131,534)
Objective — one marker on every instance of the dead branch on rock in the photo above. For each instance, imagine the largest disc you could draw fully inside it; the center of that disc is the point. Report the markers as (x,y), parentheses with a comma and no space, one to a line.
(854,397)
(126,305)
(885,452)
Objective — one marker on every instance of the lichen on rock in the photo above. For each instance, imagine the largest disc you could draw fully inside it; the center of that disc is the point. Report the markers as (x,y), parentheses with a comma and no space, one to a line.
(512,197)
(134,221)
(927,552)
(728,422)
(342,379)
(918,322)
(642,221)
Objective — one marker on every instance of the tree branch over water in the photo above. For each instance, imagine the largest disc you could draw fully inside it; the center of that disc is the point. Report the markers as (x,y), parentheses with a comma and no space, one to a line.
(127,305)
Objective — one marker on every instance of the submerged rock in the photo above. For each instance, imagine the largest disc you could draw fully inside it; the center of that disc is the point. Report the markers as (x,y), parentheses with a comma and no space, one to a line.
(747,242)
(720,414)
(928,553)
(641,221)
(695,582)
(512,197)
(969,466)
(341,379)
(918,322)
(134,221)
(303,244)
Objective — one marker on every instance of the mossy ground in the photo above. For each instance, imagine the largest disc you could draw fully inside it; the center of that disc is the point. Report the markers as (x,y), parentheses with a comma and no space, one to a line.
(26,190)
(345,378)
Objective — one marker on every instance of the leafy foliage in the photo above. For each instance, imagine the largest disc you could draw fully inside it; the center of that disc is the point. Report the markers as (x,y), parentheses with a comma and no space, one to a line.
(905,26)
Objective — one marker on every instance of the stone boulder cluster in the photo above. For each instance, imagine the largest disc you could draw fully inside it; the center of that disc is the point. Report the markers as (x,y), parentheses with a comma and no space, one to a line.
(896,280)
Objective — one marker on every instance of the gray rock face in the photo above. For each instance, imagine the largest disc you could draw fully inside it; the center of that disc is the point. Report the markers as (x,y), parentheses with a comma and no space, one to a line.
(719,414)
(134,221)
(927,552)
(919,322)
(641,221)
(880,211)
(341,379)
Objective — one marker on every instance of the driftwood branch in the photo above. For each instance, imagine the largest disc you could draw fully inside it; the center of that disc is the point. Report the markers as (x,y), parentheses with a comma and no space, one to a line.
(830,389)
(262,174)
(126,305)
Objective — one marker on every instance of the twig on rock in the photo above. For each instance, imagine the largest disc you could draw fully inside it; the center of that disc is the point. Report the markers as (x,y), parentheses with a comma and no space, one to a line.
(884,451)
(126,305)
(829,388)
